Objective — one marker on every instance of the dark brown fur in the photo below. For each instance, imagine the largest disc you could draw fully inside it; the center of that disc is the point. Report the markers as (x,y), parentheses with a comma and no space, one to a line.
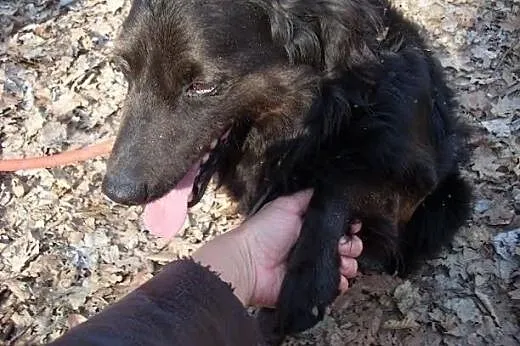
(341,95)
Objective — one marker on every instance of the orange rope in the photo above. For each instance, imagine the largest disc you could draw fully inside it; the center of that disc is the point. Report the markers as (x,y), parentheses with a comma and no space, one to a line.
(61,159)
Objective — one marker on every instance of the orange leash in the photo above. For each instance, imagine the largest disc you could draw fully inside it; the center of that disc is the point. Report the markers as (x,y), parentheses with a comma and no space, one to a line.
(61,159)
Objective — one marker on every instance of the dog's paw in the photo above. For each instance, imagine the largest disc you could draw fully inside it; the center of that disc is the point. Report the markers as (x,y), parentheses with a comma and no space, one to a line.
(309,287)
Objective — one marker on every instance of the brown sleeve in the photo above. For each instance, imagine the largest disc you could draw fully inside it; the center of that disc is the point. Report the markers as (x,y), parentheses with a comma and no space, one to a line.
(185,304)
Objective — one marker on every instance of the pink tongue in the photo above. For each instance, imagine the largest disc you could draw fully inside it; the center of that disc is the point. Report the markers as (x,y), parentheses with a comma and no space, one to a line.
(165,216)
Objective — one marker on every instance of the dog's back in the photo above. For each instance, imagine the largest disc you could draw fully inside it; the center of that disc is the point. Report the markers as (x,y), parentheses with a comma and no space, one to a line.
(381,144)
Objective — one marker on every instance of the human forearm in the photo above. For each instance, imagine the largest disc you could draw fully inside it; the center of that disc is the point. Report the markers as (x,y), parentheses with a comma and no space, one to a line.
(185,304)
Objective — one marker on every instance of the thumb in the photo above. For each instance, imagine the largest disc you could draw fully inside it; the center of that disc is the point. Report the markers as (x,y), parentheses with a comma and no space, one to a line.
(296,203)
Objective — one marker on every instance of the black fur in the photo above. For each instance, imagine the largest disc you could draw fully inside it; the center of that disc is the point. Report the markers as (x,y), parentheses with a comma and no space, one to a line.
(341,95)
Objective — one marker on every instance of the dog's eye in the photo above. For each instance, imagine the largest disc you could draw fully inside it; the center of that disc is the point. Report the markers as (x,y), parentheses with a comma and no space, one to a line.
(201,89)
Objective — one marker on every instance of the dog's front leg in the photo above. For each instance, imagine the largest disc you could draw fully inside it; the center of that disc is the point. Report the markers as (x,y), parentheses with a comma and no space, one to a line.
(312,280)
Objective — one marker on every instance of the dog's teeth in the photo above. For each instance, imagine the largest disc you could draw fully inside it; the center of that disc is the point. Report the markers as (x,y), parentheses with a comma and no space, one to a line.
(226,135)
(205,158)
(214,144)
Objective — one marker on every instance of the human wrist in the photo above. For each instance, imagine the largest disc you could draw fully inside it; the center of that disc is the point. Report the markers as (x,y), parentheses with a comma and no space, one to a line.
(229,256)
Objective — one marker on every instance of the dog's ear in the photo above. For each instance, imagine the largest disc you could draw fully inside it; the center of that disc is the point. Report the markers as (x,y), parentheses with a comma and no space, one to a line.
(297,32)
(325,34)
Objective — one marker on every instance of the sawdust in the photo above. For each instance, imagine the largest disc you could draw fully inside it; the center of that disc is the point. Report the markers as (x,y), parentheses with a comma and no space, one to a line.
(66,252)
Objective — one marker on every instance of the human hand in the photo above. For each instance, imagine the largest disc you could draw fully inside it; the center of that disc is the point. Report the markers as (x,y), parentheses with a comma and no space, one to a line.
(253,257)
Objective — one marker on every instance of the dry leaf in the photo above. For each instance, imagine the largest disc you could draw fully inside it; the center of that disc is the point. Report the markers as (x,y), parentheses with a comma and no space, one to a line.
(18,188)
(506,244)
(485,163)
(515,294)
(500,127)
(506,106)
(406,323)
(464,308)
(474,100)
(500,214)
(115,5)
(66,103)
(22,251)
(511,23)
(486,303)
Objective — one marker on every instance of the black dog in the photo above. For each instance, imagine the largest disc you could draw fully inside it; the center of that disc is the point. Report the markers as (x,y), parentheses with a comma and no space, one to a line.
(339,95)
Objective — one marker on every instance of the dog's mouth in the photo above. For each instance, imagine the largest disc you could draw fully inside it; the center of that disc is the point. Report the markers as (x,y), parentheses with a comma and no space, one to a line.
(165,216)
(207,167)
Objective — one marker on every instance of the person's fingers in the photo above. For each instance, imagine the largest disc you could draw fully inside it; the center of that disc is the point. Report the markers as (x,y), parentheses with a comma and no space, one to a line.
(350,247)
(355,226)
(343,284)
(296,203)
(348,267)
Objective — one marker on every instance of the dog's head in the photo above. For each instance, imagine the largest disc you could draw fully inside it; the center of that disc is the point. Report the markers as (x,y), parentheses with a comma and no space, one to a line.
(199,69)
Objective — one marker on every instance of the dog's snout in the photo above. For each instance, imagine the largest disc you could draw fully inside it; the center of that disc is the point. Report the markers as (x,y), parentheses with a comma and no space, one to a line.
(125,189)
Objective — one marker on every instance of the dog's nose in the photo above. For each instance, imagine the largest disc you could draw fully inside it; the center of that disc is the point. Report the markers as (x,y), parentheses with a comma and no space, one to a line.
(124,189)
